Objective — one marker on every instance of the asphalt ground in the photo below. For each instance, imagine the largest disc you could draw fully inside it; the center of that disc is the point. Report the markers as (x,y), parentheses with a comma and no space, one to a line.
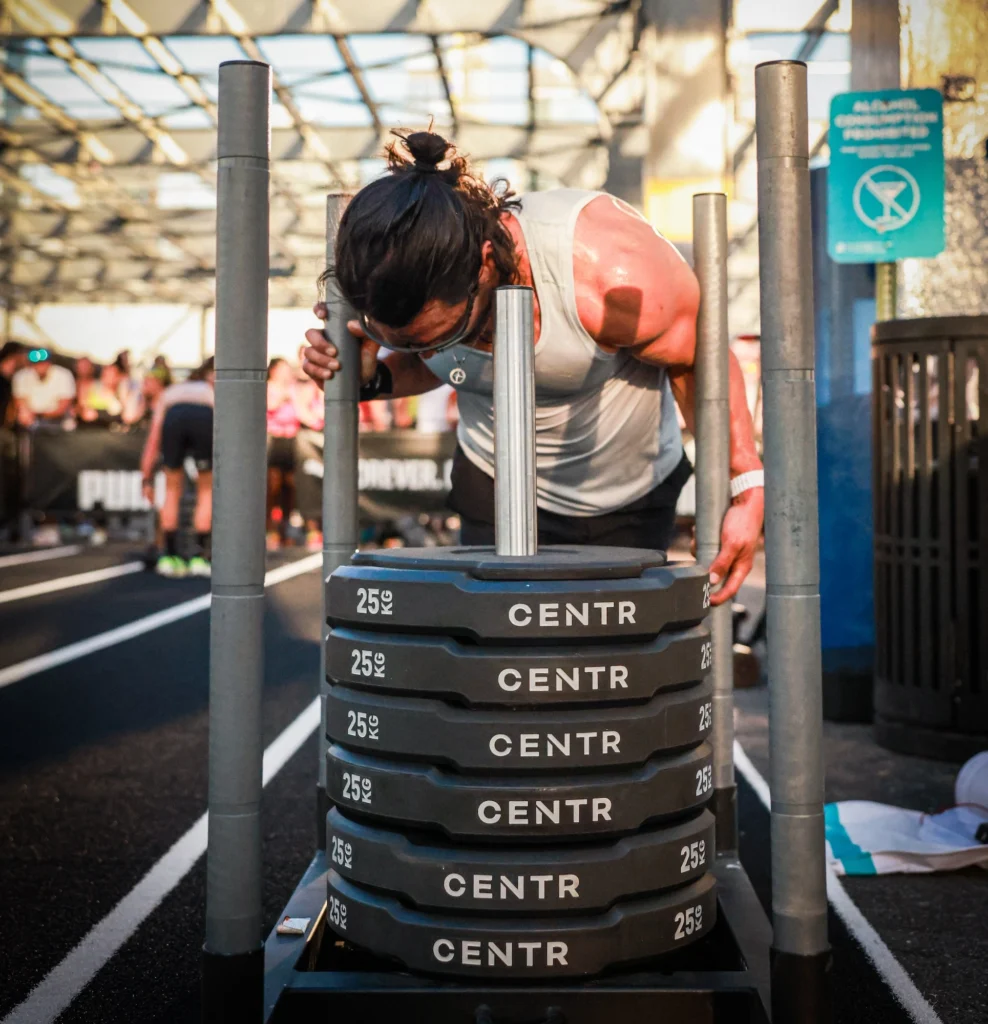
(103,768)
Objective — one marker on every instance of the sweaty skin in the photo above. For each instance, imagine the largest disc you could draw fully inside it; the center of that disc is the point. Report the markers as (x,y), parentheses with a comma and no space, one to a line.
(633,290)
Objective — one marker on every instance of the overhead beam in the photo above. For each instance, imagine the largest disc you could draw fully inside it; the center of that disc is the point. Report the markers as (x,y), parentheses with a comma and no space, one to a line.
(117,14)
(444,78)
(357,75)
(54,114)
(237,27)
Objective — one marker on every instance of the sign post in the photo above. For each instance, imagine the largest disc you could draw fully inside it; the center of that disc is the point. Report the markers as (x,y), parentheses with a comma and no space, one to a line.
(886,182)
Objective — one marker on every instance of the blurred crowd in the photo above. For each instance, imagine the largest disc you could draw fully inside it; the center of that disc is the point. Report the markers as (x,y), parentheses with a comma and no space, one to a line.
(38,388)
(43,390)
(294,425)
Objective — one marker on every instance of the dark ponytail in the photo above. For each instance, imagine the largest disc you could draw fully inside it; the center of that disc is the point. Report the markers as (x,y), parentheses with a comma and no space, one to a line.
(416,234)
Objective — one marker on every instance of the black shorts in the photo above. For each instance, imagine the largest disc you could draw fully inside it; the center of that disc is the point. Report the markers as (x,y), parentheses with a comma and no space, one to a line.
(188,431)
(648,522)
(281,453)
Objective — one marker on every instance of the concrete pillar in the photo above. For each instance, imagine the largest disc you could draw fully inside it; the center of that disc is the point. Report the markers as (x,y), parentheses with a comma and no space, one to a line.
(943,47)
(686,109)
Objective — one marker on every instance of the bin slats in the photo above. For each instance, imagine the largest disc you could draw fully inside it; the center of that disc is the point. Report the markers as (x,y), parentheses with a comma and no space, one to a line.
(931,523)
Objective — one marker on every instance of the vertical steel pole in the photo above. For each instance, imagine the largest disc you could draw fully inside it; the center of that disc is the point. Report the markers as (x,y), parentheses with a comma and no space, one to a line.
(792,559)
(233,956)
(713,457)
(516,525)
(339,481)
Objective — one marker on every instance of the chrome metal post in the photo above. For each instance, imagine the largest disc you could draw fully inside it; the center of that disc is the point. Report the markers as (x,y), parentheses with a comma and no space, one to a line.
(340,528)
(233,954)
(792,561)
(516,526)
(713,456)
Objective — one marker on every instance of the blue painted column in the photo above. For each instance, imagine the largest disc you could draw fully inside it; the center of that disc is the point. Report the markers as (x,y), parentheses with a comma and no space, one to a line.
(844,299)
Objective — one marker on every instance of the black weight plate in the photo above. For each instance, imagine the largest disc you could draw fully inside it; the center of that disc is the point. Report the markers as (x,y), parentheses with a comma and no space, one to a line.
(553,562)
(459,604)
(442,667)
(518,741)
(520,947)
(532,879)
(546,807)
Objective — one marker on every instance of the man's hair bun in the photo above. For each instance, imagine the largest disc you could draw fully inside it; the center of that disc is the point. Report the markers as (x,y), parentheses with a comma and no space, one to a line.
(427,149)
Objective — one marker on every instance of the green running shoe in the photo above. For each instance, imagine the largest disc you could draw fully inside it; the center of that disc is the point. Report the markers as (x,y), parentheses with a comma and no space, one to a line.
(199,566)
(171,566)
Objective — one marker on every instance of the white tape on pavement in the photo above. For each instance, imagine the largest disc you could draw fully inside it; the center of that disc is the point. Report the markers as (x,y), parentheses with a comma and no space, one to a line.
(882,958)
(65,981)
(81,579)
(43,662)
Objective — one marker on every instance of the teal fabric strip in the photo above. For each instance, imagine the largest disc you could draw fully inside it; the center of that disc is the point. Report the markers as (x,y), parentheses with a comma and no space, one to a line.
(853,858)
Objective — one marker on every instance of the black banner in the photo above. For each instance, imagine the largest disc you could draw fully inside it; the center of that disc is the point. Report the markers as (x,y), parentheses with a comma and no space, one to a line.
(72,471)
(400,472)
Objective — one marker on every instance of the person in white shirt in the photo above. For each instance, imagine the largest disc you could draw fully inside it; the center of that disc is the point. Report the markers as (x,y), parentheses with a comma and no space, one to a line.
(43,392)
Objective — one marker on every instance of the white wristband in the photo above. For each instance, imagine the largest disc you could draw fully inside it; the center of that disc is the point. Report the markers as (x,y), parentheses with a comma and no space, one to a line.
(745,481)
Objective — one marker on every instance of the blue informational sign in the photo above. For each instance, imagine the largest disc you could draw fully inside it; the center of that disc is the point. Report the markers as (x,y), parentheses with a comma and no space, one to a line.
(885,184)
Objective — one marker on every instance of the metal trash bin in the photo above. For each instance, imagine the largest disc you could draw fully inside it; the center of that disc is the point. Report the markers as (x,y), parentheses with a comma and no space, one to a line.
(931,525)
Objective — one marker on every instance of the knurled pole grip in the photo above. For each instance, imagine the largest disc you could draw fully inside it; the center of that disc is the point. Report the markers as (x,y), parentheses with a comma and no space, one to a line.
(713,484)
(340,528)
(792,557)
(516,525)
(233,954)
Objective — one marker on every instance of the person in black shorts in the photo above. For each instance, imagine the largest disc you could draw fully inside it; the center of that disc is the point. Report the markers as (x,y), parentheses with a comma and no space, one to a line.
(182,428)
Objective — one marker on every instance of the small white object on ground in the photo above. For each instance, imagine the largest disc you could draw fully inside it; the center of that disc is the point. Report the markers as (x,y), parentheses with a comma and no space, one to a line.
(293,926)
(866,838)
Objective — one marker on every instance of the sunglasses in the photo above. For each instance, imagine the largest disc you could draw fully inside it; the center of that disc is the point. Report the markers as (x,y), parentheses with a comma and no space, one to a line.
(461,332)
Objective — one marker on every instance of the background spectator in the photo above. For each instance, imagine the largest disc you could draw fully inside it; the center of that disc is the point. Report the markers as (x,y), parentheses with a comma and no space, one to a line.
(100,402)
(43,392)
(156,380)
(128,390)
(85,379)
(13,357)
(113,399)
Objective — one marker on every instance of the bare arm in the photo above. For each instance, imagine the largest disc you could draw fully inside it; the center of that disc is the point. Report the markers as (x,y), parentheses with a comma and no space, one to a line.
(639,293)
(744,454)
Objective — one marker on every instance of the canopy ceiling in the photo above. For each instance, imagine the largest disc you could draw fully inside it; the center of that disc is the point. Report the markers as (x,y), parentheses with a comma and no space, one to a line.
(107,165)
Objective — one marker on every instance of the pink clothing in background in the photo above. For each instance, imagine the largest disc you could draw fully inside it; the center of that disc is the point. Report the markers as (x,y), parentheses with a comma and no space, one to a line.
(283,421)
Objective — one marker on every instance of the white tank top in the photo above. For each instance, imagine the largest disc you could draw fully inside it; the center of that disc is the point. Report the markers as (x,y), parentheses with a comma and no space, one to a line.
(606,431)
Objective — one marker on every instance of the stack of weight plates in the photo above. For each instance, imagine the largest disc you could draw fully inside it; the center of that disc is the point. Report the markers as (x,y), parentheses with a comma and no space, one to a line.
(517,759)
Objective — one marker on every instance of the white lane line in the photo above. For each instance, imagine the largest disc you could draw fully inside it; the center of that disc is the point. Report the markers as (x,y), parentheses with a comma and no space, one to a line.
(43,662)
(882,958)
(67,582)
(66,980)
(43,555)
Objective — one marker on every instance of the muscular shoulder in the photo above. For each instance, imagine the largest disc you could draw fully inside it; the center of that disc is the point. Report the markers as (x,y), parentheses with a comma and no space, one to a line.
(632,284)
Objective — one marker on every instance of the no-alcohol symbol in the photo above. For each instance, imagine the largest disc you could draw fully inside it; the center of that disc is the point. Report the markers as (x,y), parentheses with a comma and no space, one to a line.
(886,198)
